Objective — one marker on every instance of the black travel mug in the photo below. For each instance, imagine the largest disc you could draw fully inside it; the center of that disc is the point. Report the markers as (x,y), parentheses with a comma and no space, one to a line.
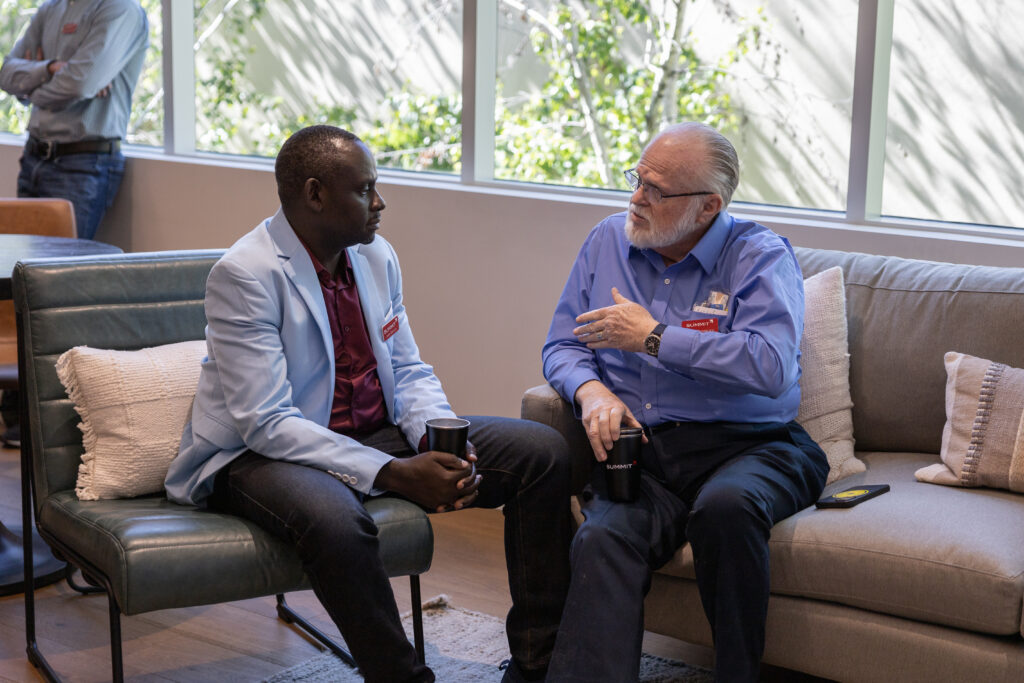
(622,468)
(448,435)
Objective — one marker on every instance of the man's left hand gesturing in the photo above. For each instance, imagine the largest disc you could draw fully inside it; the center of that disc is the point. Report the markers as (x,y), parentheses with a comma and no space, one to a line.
(623,326)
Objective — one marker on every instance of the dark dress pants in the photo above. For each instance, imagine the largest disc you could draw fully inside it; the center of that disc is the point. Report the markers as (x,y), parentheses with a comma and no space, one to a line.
(525,467)
(719,486)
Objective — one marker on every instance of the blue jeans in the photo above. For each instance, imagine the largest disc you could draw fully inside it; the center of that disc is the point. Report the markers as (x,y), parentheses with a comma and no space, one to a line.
(720,486)
(525,467)
(90,181)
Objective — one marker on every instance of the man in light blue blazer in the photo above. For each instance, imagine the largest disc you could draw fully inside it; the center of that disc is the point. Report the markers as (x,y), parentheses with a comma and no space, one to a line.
(313,396)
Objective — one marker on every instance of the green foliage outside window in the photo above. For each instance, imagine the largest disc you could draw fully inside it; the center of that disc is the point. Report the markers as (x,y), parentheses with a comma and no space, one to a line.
(146,124)
(418,131)
(598,106)
(615,74)
(602,101)
(14,17)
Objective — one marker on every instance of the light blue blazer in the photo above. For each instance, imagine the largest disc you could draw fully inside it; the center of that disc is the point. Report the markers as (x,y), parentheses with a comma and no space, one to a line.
(267,382)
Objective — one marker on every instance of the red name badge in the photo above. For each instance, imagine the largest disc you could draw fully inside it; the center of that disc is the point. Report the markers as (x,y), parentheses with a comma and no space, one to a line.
(390,327)
(69,28)
(702,325)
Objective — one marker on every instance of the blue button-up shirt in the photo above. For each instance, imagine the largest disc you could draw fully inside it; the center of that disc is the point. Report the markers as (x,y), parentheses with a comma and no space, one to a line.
(740,276)
(104,43)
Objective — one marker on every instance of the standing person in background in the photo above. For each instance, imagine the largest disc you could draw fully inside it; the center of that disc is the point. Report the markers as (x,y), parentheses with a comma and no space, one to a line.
(76,66)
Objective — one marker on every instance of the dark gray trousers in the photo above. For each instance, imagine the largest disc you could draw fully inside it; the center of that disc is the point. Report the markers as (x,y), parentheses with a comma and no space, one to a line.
(720,486)
(525,467)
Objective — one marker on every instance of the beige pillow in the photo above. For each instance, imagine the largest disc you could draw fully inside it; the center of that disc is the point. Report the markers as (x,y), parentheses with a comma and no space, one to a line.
(983,440)
(825,403)
(133,406)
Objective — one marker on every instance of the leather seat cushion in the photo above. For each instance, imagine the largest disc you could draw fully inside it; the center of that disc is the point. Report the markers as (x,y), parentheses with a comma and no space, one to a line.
(150,548)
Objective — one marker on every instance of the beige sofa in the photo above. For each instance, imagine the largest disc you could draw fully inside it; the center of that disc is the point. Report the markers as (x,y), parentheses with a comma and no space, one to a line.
(923,583)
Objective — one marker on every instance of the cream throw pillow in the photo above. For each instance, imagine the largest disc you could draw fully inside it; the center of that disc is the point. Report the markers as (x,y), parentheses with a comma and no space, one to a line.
(133,405)
(983,439)
(825,403)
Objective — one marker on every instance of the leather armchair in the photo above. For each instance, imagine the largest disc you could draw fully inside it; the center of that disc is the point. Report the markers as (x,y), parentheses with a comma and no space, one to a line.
(148,553)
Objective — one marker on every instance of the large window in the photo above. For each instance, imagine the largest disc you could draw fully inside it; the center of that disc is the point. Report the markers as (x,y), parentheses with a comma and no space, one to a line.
(582,86)
(872,110)
(955,141)
(146,126)
(388,71)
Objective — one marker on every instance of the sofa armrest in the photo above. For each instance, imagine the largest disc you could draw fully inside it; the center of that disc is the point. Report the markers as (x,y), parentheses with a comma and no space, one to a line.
(543,404)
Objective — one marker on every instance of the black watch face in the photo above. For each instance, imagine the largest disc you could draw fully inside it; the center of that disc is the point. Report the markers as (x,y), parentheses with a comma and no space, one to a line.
(652,344)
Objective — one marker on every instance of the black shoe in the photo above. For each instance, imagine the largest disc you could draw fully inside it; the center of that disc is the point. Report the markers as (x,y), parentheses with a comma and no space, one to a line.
(12,437)
(513,674)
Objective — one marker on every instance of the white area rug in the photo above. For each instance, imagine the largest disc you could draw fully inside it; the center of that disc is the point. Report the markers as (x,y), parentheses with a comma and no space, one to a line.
(467,647)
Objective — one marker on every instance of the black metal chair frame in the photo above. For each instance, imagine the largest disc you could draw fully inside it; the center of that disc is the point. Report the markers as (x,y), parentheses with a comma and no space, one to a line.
(100,581)
(38,660)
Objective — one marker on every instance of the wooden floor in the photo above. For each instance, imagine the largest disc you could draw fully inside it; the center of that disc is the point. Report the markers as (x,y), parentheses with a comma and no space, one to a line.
(241,641)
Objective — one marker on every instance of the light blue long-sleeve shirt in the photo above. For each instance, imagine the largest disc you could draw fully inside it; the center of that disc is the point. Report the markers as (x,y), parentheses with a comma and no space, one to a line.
(741,277)
(104,43)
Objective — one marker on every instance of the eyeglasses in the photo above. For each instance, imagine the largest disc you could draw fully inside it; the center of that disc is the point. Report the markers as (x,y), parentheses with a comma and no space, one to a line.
(654,194)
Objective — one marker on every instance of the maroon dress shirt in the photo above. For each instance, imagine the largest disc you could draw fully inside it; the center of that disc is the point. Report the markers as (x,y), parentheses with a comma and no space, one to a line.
(358,406)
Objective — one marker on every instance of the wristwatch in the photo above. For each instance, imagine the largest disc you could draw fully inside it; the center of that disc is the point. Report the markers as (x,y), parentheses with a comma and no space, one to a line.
(652,344)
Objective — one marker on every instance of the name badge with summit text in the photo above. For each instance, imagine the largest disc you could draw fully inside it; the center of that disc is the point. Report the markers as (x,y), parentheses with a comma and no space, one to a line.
(389,329)
(702,325)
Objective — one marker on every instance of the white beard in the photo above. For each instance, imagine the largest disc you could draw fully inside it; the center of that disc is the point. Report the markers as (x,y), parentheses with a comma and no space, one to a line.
(656,236)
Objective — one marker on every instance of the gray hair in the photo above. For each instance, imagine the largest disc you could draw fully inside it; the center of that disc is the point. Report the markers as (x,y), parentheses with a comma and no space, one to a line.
(723,167)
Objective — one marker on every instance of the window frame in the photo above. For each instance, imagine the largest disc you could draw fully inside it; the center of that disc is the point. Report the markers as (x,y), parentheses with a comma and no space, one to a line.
(867,139)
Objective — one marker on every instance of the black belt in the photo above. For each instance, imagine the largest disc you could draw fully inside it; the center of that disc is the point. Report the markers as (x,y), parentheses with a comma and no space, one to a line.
(663,427)
(51,150)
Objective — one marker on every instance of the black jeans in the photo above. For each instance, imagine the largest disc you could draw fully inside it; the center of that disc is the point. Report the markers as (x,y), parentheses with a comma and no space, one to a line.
(720,486)
(525,467)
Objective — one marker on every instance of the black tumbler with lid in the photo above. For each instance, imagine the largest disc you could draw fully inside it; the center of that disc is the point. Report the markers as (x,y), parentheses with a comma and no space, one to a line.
(622,468)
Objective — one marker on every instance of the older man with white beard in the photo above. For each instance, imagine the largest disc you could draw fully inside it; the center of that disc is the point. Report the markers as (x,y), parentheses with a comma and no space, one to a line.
(684,321)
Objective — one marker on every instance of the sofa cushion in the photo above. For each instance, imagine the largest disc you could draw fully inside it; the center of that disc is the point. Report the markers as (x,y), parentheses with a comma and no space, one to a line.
(825,373)
(904,315)
(133,406)
(905,553)
(983,441)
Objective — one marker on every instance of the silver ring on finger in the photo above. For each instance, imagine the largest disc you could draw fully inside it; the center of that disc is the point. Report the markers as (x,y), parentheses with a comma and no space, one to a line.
(600,336)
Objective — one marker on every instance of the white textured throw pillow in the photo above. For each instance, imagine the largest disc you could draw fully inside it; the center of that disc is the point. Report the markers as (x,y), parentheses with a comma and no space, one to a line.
(983,439)
(825,403)
(133,405)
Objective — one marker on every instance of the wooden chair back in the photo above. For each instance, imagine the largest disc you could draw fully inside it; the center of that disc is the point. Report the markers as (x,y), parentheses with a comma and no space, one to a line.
(28,216)
(25,216)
